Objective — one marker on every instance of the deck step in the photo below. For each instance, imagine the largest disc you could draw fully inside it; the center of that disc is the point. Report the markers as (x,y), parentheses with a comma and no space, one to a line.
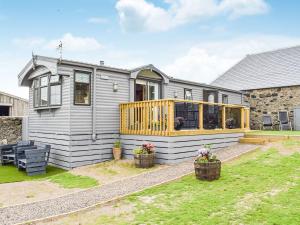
(256,141)
(268,138)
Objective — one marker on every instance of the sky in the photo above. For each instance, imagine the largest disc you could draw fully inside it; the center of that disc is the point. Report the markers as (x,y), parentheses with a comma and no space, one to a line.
(196,40)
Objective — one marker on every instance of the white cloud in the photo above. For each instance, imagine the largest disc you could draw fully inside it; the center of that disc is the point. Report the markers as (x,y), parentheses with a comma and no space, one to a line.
(238,8)
(139,15)
(142,15)
(97,20)
(206,61)
(74,43)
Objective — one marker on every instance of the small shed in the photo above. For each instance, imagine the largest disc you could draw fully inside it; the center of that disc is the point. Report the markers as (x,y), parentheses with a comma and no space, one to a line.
(11,105)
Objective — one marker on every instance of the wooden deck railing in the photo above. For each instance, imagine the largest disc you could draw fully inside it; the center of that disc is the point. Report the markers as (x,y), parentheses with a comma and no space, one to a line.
(159,117)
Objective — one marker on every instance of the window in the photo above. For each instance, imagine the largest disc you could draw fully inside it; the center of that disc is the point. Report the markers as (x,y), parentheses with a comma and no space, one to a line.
(47,91)
(44,91)
(225,99)
(82,88)
(188,94)
(36,85)
(55,90)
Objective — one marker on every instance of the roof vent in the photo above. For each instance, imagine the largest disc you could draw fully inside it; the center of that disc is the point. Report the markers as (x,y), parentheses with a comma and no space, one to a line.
(101,63)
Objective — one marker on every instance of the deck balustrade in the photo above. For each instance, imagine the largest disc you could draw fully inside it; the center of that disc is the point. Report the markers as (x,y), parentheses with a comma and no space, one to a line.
(173,117)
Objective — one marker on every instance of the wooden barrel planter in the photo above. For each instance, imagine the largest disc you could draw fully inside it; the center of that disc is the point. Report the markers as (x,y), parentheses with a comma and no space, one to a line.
(144,160)
(208,170)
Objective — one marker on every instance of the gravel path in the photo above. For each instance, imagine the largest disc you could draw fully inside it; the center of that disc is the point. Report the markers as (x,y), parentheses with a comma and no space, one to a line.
(90,197)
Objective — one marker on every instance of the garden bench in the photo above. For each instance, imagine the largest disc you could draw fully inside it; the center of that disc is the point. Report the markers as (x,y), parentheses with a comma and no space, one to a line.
(7,152)
(35,161)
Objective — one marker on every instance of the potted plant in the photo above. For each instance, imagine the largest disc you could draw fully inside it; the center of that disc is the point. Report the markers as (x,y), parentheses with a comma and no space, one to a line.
(144,156)
(117,151)
(207,166)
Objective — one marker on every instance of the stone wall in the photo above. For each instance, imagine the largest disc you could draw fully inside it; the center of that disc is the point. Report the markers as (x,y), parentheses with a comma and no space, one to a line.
(10,129)
(270,101)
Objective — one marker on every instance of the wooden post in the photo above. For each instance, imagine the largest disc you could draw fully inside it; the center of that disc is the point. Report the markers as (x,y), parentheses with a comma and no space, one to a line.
(171,117)
(242,118)
(247,118)
(200,116)
(224,117)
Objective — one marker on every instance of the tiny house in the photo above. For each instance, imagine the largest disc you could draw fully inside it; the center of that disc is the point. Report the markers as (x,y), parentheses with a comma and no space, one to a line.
(81,109)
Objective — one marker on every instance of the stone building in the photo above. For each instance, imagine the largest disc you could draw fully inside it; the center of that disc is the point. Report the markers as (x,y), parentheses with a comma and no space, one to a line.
(270,82)
(11,105)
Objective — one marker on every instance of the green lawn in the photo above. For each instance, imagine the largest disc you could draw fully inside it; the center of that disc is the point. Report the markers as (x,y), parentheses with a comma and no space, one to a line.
(10,174)
(261,191)
(275,132)
(262,187)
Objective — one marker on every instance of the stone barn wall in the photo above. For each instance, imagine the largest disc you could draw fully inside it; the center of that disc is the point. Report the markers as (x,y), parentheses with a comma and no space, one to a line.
(270,101)
(10,129)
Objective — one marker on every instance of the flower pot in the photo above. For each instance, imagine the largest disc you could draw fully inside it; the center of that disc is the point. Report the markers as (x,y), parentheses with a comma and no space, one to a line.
(117,152)
(208,170)
(144,160)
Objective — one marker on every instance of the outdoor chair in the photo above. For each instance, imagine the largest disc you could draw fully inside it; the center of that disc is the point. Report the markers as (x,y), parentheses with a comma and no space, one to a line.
(7,152)
(267,122)
(284,123)
(20,152)
(35,161)
(231,123)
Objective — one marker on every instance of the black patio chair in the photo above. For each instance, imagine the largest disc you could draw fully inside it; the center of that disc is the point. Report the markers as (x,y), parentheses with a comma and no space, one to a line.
(7,152)
(35,161)
(267,122)
(284,123)
(231,123)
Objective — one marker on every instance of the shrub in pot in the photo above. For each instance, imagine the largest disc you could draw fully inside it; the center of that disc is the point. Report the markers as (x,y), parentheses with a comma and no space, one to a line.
(117,151)
(144,156)
(207,166)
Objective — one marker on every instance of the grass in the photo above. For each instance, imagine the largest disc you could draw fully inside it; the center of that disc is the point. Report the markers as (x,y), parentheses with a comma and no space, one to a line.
(67,180)
(9,174)
(275,132)
(260,188)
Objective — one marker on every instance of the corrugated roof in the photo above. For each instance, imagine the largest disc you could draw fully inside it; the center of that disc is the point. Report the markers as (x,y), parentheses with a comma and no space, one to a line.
(277,68)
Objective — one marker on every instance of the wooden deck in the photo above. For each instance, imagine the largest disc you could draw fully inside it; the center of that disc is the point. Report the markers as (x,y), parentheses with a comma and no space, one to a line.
(158,117)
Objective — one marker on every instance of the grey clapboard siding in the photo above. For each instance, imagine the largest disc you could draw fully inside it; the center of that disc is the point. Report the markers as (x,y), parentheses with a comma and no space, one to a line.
(108,115)
(233,98)
(179,88)
(175,149)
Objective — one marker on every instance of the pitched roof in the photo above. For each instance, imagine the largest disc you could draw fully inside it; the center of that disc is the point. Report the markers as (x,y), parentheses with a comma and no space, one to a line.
(277,68)
(13,96)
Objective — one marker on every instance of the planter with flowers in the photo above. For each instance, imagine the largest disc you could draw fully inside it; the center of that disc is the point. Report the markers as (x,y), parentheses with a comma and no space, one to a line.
(207,166)
(144,156)
(117,151)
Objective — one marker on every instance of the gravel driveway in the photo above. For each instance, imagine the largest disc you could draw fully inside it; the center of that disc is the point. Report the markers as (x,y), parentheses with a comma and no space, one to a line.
(90,197)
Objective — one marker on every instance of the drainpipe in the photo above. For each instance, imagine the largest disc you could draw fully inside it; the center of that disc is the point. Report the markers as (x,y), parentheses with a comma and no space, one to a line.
(94,136)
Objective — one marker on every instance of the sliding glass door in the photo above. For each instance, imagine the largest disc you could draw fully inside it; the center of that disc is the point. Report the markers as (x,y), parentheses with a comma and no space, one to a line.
(146,90)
